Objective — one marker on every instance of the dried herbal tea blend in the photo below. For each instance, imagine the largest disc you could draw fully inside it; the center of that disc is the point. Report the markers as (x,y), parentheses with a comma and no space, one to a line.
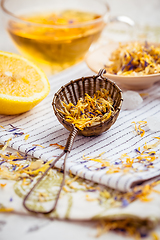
(89,110)
(134,59)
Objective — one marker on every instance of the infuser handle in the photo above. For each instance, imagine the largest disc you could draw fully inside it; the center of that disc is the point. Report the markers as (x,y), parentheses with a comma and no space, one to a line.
(70,140)
(66,151)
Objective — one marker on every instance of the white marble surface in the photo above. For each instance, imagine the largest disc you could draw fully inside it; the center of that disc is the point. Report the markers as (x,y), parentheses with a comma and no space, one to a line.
(18,227)
(143,12)
(21,227)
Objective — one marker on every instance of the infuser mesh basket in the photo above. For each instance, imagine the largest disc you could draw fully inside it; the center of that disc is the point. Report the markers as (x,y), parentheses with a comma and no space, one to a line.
(76,89)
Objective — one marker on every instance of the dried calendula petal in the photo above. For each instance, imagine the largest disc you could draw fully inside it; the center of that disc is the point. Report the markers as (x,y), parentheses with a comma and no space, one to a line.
(89,110)
(135,58)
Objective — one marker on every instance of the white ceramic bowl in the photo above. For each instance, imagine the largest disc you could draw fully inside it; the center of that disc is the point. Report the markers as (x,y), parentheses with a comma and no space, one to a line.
(97,60)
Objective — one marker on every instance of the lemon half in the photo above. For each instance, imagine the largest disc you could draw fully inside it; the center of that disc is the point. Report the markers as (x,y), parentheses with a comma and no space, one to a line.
(22,84)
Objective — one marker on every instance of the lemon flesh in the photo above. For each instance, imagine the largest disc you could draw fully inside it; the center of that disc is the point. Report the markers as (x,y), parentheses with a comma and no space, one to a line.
(22,84)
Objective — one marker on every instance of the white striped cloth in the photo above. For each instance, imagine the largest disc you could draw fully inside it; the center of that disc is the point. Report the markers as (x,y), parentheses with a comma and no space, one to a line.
(44,129)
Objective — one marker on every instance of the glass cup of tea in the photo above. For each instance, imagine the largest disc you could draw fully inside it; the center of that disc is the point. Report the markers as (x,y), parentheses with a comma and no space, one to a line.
(54,33)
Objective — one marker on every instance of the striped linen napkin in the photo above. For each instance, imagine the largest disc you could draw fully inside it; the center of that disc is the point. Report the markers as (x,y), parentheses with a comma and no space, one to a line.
(118,146)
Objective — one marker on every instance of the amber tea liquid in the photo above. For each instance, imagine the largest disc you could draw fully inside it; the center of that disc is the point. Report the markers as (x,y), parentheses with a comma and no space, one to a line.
(49,43)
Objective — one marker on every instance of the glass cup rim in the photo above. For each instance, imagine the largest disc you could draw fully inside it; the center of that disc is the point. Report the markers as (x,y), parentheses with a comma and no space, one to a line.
(5,10)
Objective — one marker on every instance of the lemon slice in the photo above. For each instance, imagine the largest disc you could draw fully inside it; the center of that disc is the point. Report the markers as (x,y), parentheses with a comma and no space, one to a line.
(22,84)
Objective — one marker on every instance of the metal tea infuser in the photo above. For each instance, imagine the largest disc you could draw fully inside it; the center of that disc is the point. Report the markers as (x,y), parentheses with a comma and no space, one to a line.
(71,92)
